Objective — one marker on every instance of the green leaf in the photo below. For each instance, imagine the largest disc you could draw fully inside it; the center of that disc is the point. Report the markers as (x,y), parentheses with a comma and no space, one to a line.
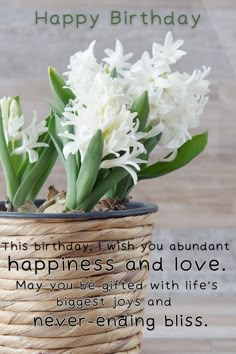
(24,168)
(151,143)
(78,159)
(71,164)
(186,153)
(100,189)
(141,107)
(35,189)
(90,167)
(55,128)
(121,189)
(61,93)
(8,169)
(43,175)
(57,110)
(17,160)
(33,176)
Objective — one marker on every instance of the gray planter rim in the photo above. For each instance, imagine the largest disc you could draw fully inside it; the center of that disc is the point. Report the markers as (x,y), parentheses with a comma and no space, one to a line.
(134,208)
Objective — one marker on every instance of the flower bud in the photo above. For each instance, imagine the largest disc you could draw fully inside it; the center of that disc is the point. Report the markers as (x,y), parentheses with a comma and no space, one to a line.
(4,104)
(15,110)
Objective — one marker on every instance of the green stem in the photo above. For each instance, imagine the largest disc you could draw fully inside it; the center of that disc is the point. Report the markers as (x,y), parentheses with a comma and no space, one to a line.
(8,169)
(71,174)
(122,188)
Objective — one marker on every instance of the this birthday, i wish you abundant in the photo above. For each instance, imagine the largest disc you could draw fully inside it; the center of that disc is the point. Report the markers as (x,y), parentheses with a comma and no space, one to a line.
(148,17)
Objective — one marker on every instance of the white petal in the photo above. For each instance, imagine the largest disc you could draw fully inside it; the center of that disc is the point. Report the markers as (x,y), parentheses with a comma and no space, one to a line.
(18,151)
(172,156)
(168,39)
(155,131)
(70,148)
(178,43)
(131,172)
(33,155)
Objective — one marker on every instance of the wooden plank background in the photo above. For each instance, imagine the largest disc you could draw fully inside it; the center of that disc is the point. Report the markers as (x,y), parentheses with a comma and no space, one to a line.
(203,193)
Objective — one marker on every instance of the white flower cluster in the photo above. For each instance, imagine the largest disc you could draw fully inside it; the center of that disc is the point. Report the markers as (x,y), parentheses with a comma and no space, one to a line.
(19,140)
(103,107)
(105,92)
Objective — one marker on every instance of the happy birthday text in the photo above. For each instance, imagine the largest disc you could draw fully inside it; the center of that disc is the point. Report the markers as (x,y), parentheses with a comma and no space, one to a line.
(116,18)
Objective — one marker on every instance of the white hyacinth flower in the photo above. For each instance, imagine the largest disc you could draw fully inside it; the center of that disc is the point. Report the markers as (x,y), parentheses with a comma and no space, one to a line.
(116,59)
(35,127)
(104,110)
(176,101)
(169,53)
(185,99)
(82,70)
(15,124)
(144,76)
(30,137)
(13,120)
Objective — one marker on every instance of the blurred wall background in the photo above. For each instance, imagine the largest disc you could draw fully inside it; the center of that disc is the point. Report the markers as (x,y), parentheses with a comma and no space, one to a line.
(197,203)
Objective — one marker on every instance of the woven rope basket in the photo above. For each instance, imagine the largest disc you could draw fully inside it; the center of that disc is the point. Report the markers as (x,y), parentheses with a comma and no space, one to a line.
(19,306)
